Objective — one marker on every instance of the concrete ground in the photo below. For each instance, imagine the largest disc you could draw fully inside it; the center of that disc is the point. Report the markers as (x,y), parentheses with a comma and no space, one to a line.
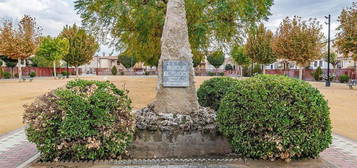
(13,95)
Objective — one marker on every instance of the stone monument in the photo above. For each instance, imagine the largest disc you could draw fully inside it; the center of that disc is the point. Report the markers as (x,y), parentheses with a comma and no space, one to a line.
(174,126)
(176,93)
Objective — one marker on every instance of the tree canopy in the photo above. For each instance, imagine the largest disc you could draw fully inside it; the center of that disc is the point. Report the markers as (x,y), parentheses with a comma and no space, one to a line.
(346,38)
(136,26)
(333,58)
(216,58)
(126,60)
(53,50)
(239,57)
(19,42)
(82,46)
(298,40)
(259,46)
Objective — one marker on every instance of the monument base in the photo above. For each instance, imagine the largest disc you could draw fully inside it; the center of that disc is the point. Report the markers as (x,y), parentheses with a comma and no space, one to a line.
(149,145)
(177,135)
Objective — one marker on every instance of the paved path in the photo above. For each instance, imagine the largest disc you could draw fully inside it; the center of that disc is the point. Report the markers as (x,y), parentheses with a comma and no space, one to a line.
(16,151)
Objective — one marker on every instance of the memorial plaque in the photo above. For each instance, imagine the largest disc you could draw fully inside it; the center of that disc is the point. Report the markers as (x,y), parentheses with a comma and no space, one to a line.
(176,73)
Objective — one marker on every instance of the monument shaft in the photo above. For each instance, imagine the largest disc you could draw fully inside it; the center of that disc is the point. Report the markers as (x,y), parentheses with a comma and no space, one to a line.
(178,95)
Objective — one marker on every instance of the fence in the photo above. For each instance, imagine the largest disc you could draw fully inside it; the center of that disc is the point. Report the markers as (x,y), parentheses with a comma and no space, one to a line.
(42,72)
(307,73)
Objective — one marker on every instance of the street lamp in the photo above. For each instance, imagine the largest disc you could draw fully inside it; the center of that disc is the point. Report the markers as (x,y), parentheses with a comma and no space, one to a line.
(328,82)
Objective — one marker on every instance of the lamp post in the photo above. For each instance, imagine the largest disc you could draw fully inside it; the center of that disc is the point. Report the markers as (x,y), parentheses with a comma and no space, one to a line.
(328,82)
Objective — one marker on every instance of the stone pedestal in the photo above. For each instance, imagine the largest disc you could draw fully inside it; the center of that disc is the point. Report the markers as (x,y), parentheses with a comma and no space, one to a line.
(175,46)
(157,144)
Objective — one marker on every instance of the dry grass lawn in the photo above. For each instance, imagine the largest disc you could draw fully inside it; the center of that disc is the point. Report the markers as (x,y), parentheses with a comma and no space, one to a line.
(13,95)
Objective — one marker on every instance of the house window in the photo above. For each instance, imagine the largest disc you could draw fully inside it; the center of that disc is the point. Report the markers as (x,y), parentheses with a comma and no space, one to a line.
(315,64)
(271,66)
(320,64)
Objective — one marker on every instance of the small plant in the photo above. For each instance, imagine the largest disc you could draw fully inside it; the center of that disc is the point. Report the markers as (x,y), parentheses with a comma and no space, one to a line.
(147,73)
(7,75)
(317,74)
(221,74)
(344,78)
(32,74)
(213,90)
(122,73)
(211,74)
(228,67)
(114,70)
(86,120)
(16,75)
(64,73)
(275,117)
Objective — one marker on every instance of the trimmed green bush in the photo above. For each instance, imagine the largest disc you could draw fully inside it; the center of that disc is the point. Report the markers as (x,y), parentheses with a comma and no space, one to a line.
(64,73)
(317,74)
(32,74)
(228,67)
(275,117)
(221,74)
(344,78)
(114,70)
(211,73)
(86,120)
(213,90)
(7,75)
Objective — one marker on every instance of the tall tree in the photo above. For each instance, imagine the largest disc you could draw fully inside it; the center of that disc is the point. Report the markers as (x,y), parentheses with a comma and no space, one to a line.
(216,59)
(126,60)
(333,59)
(346,38)
(136,26)
(299,41)
(53,50)
(82,46)
(240,58)
(259,46)
(19,42)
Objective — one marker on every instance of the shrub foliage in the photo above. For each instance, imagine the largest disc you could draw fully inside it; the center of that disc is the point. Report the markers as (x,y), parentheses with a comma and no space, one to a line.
(317,74)
(86,120)
(344,78)
(275,117)
(213,90)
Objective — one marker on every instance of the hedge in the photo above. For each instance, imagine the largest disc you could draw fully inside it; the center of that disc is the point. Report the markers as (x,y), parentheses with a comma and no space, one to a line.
(275,117)
(213,90)
(86,120)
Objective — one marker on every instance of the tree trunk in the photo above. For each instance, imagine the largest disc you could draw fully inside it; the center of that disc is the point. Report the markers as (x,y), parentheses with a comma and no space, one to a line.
(67,71)
(300,73)
(19,66)
(77,71)
(263,68)
(355,70)
(241,71)
(54,69)
(252,71)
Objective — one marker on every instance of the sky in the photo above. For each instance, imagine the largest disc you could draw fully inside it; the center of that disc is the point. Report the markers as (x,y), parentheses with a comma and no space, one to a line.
(53,15)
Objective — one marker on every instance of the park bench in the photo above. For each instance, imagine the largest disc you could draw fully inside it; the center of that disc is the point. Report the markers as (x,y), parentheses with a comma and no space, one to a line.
(24,79)
(352,83)
(61,76)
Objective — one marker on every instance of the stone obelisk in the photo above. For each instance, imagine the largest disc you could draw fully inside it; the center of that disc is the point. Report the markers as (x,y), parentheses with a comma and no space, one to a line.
(176,91)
